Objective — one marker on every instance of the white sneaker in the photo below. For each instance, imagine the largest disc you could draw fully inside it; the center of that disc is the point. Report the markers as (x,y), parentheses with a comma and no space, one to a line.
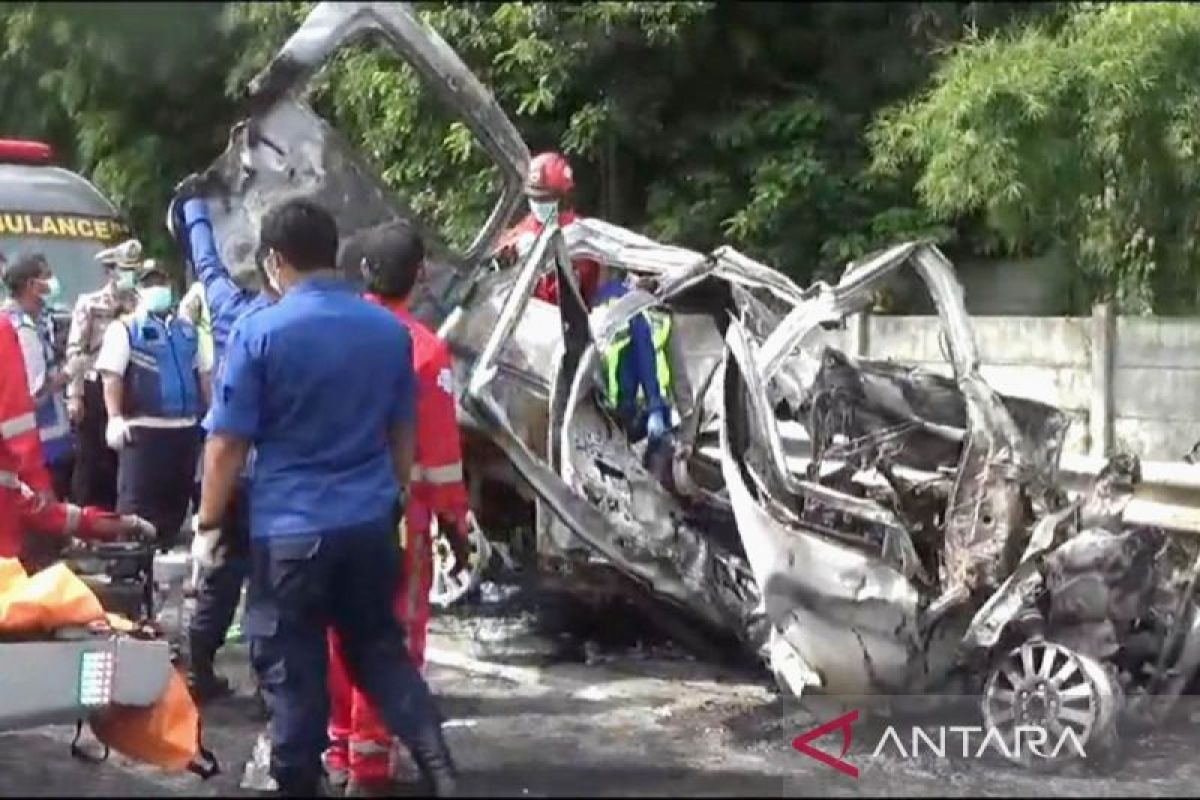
(256,777)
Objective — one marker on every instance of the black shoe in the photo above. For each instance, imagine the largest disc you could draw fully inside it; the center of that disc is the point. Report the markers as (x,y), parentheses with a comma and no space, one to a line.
(436,765)
(202,679)
(260,711)
(356,788)
(308,789)
(304,787)
(206,686)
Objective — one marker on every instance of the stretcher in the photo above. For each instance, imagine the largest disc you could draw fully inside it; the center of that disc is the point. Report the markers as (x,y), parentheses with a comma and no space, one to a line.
(78,672)
(70,673)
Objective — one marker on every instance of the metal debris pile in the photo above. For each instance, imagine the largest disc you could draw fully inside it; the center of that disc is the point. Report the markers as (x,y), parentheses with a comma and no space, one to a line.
(864,528)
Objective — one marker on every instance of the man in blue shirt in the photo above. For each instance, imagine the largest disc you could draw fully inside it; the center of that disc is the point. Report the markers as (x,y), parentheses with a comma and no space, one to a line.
(227,299)
(221,586)
(321,384)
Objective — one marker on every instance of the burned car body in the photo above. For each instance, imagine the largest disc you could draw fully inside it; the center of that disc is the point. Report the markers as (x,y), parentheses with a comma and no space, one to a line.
(865,528)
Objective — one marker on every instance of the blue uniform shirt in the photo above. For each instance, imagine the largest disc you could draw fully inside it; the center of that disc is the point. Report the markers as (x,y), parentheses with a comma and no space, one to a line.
(226,300)
(315,382)
(638,365)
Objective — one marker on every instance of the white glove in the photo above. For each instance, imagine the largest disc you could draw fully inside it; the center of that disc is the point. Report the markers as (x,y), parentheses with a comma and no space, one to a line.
(656,425)
(204,546)
(116,433)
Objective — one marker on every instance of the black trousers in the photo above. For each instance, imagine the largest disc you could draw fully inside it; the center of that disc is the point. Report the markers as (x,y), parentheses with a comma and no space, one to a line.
(299,586)
(221,587)
(62,472)
(155,474)
(94,482)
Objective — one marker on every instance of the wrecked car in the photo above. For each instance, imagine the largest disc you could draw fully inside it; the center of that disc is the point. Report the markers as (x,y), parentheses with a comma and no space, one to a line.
(865,528)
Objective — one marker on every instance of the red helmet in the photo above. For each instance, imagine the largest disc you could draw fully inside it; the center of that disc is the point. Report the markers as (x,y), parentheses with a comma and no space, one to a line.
(549,176)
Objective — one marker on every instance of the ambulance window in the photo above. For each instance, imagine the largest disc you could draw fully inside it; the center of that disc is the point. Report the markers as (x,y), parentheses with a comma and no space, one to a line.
(73,262)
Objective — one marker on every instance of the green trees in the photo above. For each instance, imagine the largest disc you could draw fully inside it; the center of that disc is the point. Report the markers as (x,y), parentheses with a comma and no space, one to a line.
(701,123)
(804,134)
(123,91)
(1079,136)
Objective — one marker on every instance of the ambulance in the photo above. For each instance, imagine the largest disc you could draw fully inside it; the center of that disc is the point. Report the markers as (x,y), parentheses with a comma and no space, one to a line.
(50,210)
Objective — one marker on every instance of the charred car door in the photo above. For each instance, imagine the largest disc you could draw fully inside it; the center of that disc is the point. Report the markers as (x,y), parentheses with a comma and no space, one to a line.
(285,150)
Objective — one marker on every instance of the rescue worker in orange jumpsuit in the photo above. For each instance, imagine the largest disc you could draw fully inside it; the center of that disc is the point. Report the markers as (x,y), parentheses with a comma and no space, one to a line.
(548,188)
(25,496)
(391,257)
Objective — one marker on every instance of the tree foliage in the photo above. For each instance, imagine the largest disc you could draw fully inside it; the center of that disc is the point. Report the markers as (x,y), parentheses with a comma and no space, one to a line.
(123,97)
(698,122)
(1080,136)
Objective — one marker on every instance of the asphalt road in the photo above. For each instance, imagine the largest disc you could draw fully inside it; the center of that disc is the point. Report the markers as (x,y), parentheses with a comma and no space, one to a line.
(625,728)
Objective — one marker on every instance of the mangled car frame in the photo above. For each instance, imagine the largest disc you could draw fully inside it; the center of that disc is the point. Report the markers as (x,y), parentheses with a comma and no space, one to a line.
(867,528)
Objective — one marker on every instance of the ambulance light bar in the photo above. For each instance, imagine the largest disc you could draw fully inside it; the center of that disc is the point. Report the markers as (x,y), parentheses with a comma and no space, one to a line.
(23,151)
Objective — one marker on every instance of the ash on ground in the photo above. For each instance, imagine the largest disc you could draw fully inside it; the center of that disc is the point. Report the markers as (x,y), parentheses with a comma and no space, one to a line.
(513,618)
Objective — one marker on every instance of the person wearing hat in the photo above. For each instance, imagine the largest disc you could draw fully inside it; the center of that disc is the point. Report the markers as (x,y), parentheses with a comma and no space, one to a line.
(156,389)
(94,481)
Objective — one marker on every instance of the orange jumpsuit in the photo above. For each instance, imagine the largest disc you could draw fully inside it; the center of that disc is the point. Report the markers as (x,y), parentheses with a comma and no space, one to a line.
(25,501)
(359,740)
(520,238)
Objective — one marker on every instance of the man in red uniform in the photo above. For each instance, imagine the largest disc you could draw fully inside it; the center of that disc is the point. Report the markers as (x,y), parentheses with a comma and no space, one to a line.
(391,257)
(25,498)
(548,188)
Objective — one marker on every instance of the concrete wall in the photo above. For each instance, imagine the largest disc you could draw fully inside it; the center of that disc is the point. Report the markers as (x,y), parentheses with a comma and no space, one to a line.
(1128,383)
(1156,385)
(1033,287)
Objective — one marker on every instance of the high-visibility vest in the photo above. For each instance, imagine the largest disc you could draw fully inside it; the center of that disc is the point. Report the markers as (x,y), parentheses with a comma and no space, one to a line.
(50,411)
(161,379)
(660,333)
(194,308)
(54,427)
(21,461)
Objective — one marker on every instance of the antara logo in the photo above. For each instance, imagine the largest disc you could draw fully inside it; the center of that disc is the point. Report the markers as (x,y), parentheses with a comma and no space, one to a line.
(843,724)
(1024,741)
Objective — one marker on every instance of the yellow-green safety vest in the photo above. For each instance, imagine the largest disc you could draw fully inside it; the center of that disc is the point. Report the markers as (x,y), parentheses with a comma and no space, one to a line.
(660,334)
(194,308)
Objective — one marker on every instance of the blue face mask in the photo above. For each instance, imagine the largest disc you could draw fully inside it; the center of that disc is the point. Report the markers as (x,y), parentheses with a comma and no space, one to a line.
(156,299)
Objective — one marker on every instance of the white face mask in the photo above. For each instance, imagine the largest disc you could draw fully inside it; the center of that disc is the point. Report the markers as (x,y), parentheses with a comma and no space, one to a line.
(126,279)
(543,210)
(157,299)
(48,298)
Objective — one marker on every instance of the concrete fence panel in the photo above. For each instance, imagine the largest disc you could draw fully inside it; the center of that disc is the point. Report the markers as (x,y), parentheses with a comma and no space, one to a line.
(1127,382)
(1156,385)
